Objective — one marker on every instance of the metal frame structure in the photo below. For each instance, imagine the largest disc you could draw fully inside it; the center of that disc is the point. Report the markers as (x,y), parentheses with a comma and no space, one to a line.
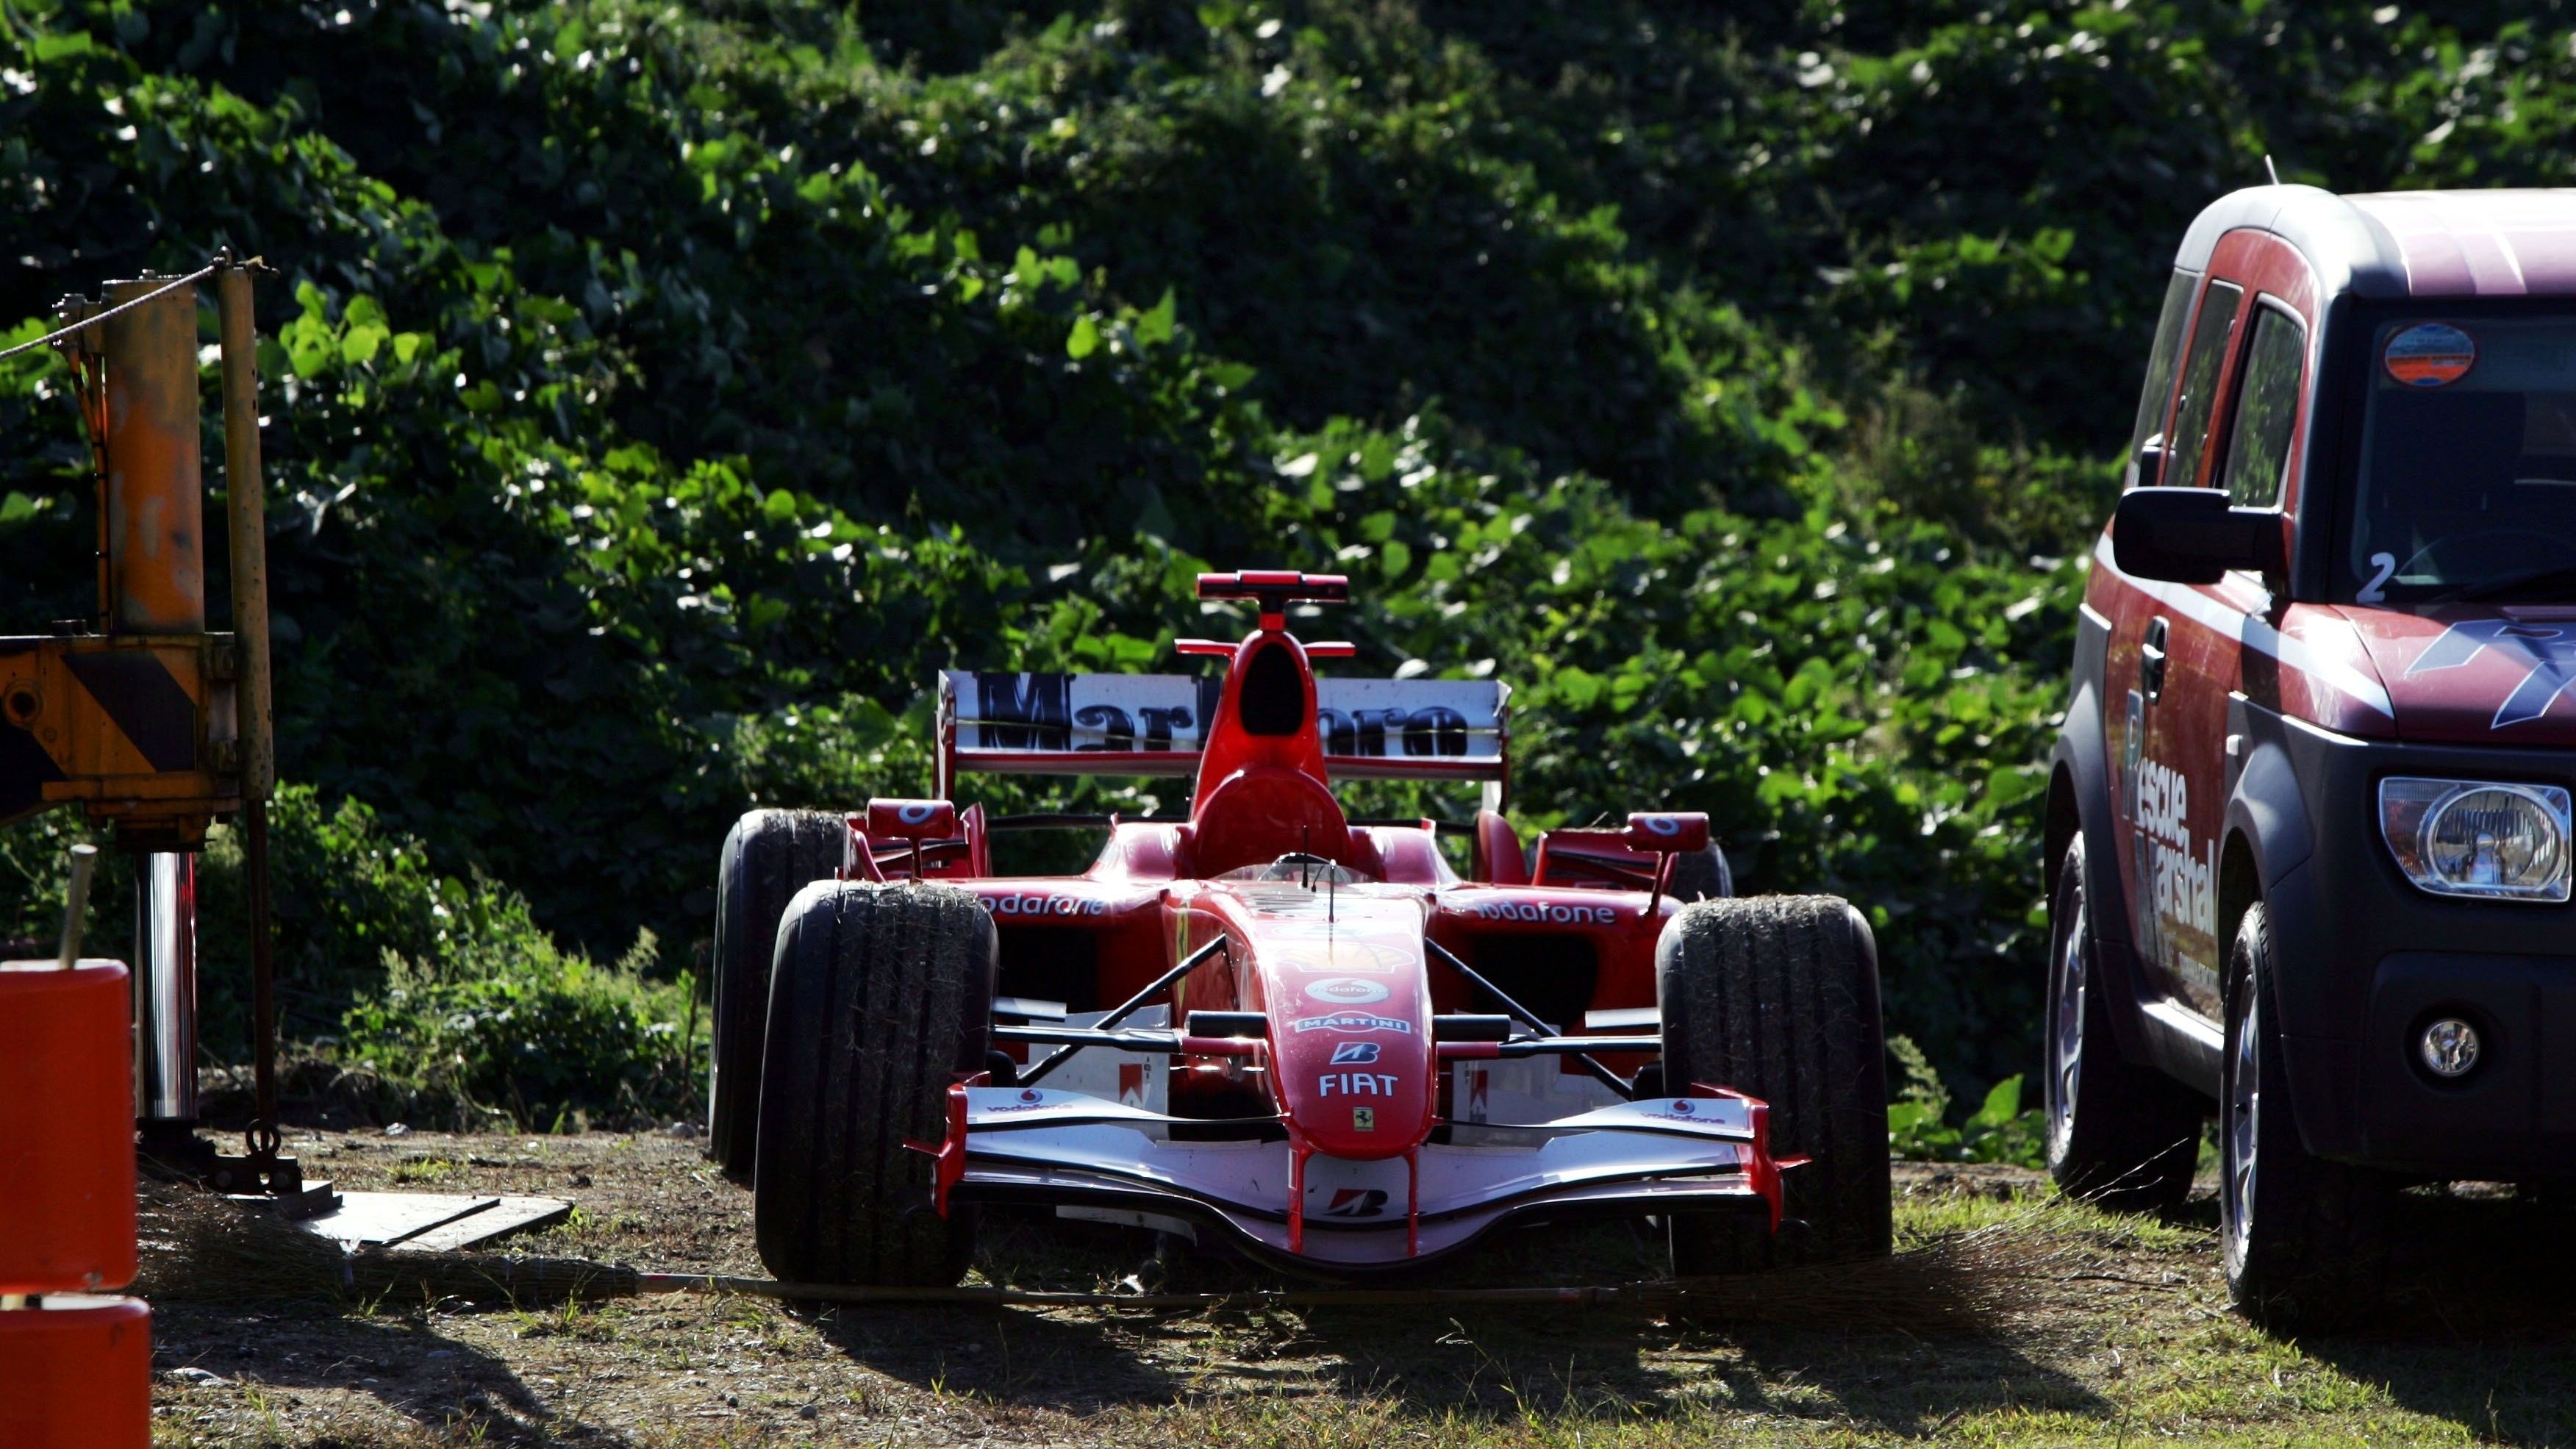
(142,717)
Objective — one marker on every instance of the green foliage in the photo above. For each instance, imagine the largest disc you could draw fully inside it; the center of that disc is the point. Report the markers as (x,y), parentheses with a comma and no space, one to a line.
(658,394)
(347,894)
(35,879)
(1918,1128)
(442,993)
(514,1035)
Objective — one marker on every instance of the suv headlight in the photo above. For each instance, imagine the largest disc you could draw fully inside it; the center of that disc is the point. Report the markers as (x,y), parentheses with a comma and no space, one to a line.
(2478,838)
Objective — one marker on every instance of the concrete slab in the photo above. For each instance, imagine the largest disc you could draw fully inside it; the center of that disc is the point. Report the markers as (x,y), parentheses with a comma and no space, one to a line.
(506,1215)
(423,1222)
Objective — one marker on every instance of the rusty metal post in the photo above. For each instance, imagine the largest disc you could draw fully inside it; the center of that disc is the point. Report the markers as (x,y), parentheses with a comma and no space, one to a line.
(154,511)
(155,495)
(245,493)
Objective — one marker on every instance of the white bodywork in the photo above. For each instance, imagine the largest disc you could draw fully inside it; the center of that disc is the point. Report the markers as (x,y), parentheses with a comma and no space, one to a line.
(1649,1156)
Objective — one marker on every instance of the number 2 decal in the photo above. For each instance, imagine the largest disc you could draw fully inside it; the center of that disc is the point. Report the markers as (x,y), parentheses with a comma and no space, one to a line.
(2374,591)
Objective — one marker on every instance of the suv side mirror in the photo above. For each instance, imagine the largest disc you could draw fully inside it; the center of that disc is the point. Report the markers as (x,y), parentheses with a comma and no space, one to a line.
(2192,536)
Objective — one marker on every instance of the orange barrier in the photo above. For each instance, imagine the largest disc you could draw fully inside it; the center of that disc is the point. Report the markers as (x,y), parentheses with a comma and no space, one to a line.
(76,1373)
(66,1129)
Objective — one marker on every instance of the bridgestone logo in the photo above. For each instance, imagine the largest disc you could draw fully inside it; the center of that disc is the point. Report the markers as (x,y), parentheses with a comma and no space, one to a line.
(1548,915)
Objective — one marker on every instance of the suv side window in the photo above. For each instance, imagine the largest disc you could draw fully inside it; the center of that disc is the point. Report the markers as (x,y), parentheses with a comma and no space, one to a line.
(2267,405)
(2160,368)
(2209,338)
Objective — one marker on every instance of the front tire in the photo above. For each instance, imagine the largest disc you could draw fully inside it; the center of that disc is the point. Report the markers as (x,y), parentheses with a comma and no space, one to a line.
(1777,997)
(2120,1136)
(768,857)
(880,997)
(2304,1240)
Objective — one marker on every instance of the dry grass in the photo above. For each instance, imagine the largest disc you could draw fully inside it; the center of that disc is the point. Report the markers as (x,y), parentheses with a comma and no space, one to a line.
(2010,1319)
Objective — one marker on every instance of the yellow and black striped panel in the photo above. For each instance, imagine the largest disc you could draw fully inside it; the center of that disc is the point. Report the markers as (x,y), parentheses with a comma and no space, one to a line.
(133,726)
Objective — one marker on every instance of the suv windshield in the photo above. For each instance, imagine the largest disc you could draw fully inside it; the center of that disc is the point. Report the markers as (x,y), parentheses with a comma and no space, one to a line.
(2467,479)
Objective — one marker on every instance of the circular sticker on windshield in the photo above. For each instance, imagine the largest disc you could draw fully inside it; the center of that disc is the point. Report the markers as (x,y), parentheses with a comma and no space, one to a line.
(2429,354)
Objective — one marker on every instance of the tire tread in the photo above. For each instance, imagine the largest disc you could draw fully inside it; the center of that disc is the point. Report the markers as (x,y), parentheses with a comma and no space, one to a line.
(1777,997)
(768,857)
(879,992)
(2325,1267)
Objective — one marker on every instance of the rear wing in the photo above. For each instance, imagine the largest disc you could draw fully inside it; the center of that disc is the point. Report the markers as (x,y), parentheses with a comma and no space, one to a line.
(1156,724)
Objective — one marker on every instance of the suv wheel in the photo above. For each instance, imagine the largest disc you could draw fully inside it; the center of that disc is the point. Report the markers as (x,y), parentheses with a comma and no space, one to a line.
(2304,1240)
(2122,1136)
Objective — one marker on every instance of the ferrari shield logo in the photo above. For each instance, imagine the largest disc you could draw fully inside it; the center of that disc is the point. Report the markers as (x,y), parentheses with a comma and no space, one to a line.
(1364,1119)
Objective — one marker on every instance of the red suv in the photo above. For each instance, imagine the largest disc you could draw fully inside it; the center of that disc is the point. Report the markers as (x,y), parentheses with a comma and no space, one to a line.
(2308,817)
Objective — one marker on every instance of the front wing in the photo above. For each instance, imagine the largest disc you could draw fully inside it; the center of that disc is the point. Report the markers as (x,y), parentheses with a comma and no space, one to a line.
(1032,1145)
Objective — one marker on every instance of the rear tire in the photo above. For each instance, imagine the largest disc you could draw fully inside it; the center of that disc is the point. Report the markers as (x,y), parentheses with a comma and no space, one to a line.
(2120,1136)
(769,856)
(1777,997)
(1702,875)
(2304,1240)
(881,996)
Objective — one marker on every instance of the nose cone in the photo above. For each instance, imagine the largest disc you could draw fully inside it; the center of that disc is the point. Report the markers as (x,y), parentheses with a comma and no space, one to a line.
(1350,1016)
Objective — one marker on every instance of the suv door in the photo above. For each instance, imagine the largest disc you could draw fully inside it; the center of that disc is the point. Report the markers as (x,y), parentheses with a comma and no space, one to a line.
(2150,622)
(2239,442)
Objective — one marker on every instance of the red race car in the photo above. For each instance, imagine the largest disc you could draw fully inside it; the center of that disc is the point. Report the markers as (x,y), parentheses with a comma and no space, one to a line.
(1303,1033)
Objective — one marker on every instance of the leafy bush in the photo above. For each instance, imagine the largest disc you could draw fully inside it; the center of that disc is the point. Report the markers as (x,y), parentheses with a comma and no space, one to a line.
(35,876)
(530,1040)
(659,393)
(435,999)
(1918,1128)
(346,894)
(443,995)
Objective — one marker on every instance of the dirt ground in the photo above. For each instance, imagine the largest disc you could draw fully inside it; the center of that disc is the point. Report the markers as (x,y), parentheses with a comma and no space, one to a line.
(2123,1333)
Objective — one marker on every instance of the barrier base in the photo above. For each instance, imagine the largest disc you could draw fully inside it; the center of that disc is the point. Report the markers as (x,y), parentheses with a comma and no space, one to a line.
(76,1373)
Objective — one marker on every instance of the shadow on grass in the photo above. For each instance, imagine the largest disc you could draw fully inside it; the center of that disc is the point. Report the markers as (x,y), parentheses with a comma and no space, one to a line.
(2481,1321)
(1815,1351)
(437,1383)
(261,1305)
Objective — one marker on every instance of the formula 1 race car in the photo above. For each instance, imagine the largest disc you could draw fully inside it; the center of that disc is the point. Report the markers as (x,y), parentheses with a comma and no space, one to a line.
(1304,1034)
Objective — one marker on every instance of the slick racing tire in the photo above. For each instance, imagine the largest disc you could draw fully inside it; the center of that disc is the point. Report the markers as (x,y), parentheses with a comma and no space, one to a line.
(1702,875)
(881,996)
(2121,1136)
(769,856)
(1777,997)
(2304,1240)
